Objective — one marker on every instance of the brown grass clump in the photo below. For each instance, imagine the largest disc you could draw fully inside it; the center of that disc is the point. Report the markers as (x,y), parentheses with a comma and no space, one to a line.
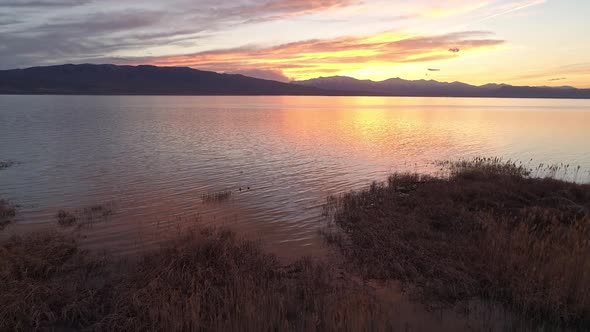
(223,284)
(47,282)
(65,218)
(206,280)
(486,230)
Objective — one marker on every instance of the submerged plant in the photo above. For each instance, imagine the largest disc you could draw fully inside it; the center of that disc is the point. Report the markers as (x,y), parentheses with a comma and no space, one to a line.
(6,164)
(7,212)
(217,197)
(86,216)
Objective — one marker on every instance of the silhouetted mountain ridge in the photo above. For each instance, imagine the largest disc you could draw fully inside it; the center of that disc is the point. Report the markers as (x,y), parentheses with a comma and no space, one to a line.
(143,80)
(151,80)
(432,88)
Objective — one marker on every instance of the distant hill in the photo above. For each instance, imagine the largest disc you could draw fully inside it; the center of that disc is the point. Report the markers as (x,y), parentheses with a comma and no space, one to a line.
(431,88)
(142,80)
(150,80)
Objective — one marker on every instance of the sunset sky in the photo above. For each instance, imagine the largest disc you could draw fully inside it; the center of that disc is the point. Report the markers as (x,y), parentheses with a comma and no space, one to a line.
(523,42)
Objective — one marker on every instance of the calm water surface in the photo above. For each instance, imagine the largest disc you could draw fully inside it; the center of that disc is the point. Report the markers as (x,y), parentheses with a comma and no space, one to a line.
(152,158)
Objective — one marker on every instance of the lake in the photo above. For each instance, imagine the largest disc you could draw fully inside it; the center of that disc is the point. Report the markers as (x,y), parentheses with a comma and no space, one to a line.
(156,163)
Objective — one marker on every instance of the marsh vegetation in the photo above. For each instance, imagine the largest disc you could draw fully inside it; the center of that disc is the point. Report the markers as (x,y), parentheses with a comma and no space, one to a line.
(6,164)
(484,229)
(86,216)
(7,213)
(217,197)
(205,280)
(7,209)
(481,230)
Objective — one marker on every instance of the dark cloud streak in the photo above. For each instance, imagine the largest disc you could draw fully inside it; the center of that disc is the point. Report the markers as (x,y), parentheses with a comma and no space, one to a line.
(75,32)
(42,4)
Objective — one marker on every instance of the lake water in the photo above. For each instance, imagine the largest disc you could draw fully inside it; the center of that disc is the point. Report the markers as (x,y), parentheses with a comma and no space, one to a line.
(151,159)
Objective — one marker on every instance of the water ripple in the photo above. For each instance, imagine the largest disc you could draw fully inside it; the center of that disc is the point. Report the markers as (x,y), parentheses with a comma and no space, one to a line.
(155,157)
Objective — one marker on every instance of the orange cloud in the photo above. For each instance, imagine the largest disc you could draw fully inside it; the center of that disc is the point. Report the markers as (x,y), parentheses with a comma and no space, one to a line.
(311,58)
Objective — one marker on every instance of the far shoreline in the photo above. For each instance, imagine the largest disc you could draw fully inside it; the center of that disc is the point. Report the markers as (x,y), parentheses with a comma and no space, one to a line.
(277,95)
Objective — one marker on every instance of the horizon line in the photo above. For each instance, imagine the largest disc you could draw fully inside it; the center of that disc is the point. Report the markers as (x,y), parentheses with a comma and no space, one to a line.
(294,81)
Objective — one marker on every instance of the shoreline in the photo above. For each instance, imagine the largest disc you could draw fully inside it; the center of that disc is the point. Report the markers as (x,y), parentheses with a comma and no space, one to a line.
(427,271)
(279,95)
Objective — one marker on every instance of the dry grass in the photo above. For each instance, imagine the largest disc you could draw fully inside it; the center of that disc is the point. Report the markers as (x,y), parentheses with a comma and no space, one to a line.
(207,280)
(485,230)
(65,218)
(46,282)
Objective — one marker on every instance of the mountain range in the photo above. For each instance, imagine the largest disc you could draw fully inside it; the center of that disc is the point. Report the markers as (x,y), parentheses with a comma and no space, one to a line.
(138,80)
(432,88)
(150,80)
